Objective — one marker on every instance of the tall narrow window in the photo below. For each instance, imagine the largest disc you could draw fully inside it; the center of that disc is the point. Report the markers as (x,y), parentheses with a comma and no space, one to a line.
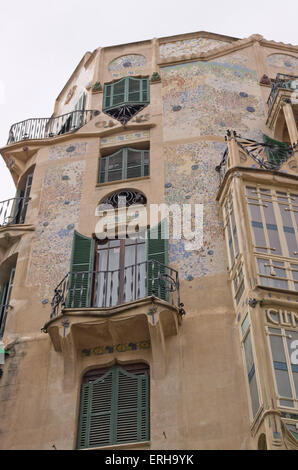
(5,294)
(282,345)
(231,230)
(124,164)
(114,406)
(250,365)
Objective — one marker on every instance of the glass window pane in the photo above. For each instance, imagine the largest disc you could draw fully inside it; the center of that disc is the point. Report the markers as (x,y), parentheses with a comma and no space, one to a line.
(248,353)
(245,324)
(277,349)
(255,402)
(283,383)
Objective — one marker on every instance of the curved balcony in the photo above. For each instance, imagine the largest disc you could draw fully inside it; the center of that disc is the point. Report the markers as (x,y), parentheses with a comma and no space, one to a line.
(13,211)
(45,128)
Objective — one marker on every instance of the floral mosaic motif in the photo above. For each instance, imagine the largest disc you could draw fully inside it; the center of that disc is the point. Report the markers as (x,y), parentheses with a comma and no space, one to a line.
(188,46)
(199,186)
(57,152)
(54,233)
(115,139)
(133,64)
(283,61)
(212,97)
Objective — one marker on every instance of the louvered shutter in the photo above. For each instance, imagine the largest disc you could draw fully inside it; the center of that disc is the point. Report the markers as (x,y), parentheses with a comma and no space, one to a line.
(279,153)
(81,275)
(132,421)
(118,92)
(114,408)
(95,425)
(134,90)
(157,249)
(6,299)
(145,95)
(107,96)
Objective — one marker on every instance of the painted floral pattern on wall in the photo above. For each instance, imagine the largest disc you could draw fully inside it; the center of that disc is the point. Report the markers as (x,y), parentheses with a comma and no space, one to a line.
(132,64)
(206,98)
(188,46)
(283,61)
(58,215)
(191,179)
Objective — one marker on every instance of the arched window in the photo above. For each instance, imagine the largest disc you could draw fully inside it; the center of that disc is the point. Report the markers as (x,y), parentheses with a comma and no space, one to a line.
(114,407)
(125,98)
(124,164)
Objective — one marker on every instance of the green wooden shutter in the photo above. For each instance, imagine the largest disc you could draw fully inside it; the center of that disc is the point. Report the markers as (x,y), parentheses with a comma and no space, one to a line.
(118,92)
(134,90)
(145,95)
(279,153)
(114,409)
(81,276)
(157,249)
(107,94)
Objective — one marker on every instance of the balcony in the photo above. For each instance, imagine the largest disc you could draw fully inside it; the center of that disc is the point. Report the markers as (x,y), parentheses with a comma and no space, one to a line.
(282,81)
(13,211)
(45,128)
(103,310)
(247,153)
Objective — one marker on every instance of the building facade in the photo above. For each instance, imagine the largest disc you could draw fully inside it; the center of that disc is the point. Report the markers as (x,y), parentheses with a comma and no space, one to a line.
(146,342)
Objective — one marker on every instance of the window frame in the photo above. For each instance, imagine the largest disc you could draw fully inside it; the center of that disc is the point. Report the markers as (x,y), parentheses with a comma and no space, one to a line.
(108,92)
(103,165)
(244,335)
(283,336)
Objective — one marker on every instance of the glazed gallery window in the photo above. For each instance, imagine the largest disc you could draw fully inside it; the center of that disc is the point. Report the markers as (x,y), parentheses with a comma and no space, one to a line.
(128,90)
(250,365)
(124,164)
(277,274)
(231,231)
(285,372)
(114,407)
(274,221)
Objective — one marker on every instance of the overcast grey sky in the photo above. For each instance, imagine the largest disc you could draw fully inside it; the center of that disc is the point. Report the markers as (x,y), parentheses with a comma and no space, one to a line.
(41,42)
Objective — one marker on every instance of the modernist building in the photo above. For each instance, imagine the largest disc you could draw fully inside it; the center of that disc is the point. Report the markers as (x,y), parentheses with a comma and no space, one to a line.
(140,342)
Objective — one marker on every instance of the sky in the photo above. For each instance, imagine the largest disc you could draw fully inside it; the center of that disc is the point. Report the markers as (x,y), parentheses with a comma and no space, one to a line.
(41,42)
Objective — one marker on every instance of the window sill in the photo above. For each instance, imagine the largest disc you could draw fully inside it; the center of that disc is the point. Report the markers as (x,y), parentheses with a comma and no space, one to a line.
(109,183)
(135,445)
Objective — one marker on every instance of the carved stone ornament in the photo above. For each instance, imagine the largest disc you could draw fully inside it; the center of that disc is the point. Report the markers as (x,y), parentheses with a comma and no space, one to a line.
(70,94)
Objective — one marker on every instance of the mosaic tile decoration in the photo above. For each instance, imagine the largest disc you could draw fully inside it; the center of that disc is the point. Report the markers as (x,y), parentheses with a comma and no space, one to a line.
(188,46)
(133,64)
(57,152)
(206,98)
(283,61)
(191,179)
(58,215)
(118,139)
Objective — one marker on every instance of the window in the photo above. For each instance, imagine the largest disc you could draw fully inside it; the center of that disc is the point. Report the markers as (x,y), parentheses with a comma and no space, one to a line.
(277,274)
(274,220)
(117,271)
(126,97)
(238,283)
(282,346)
(124,164)
(5,293)
(250,365)
(231,231)
(114,406)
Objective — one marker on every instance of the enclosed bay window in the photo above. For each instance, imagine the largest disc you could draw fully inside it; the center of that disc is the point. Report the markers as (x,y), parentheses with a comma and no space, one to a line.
(250,365)
(283,344)
(126,97)
(277,274)
(124,164)
(274,221)
(115,406)
(231,230)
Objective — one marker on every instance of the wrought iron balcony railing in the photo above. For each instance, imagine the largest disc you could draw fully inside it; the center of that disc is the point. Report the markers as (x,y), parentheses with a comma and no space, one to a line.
(44,128)
(282,80)
(105,289)
(13,211)
(263,155)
